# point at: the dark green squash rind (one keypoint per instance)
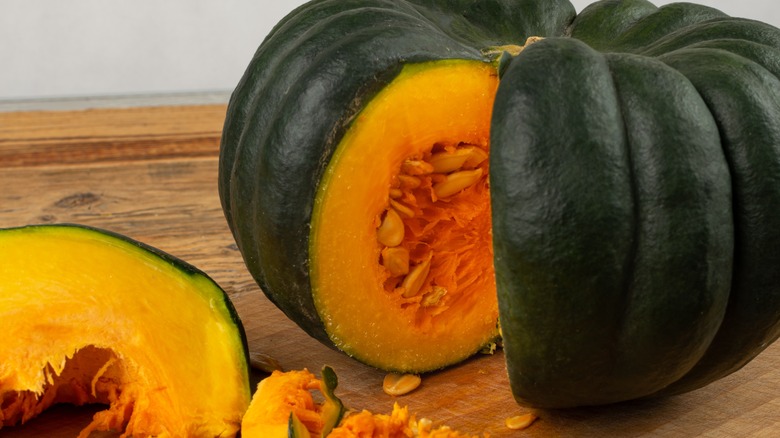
(724, 28)
(563, 223)
(601, 22)
(292, 107)
(579, 236)
(744, 99)
(670, 18)
(681, 270)
(333, 411)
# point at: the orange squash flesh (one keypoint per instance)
(361, 293)
(398, 424)
(278, 396)
(286, 400)
(87, 317)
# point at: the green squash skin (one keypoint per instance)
(634, 233)
(598, 216)
(628, 26)
(601, 20)
(164, 258)
(293, 106)
(751, 140)
(733, 65)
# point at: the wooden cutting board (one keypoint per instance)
(151, 173)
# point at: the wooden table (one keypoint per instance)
(150, 173)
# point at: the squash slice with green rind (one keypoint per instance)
(89, 316)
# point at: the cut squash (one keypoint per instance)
(88, 316)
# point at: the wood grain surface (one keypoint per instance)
(151, 173)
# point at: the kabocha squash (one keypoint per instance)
(89, 316)
(623, 226)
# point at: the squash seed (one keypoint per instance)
(416, 167)
(396, 260)
(456, 182)
(446, 162)
(263, 362)
(400, 384)
(416, 278)
(433, 297)
(476, 157)
(409, 182)
(520, 422)
(396, 193)
(391, 231)
(402, 209)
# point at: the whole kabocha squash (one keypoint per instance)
(89, 316)
(623, 227)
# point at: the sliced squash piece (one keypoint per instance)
(89, 316)
(284, 405)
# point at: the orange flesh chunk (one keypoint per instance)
(279, 395)
(446, 309)
(398, 424)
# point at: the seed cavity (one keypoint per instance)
(457, 181)
(391, 231)
(400, 384)
(413, 196)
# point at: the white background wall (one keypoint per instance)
(71, 48)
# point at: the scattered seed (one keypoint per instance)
(391, 231)
(416, 167)
(396, 260)
(424, 426)
(456, 182)
(400, 384)
(520, 422)
(264, 362)
(416, 278)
